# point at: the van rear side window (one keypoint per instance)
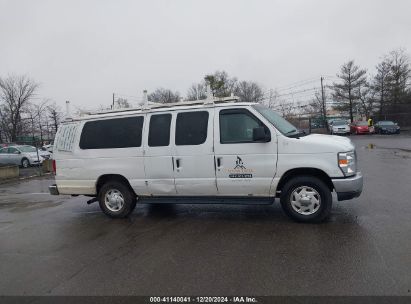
(65, 136)
(191, 128)
(112, 133)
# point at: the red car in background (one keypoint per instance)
(360, 127)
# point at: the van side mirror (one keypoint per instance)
(260, 135)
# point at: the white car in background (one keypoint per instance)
(24, 156)
(340, 127)
(48, 148)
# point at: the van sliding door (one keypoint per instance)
(158, 160)
(194, 154)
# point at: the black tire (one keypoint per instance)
(25, 163)
(127, 195)
(325, 199)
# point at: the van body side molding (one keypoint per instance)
(229, 200)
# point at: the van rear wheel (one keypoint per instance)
(306, 199)
(116, 199)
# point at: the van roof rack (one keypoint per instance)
(155, 105)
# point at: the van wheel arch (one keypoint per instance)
(112, 177)
(304, 172)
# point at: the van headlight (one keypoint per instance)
(347, 162)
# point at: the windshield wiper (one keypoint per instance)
(292, 131)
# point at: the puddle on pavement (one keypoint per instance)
(29, 206)
(398, 152)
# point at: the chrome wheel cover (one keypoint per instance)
(305, 200)
(114, 200)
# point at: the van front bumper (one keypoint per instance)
(53, 190)
(348, 188)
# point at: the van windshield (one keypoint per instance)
(277, 121)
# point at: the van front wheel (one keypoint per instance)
(306, 199)
(116, 199)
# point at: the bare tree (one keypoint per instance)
(272, 98)
(40, 116)
(316, 105)
(285, 108)
(3, 126)
(54, 114)
(346, 92)
(381, 82)
(399, 75)
(249, 91)
(162, 95)
(15, 93)
(122, 103)
(366, 96)
(197, 91)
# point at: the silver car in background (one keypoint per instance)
(24, 156)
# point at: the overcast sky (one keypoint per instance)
(83, 51)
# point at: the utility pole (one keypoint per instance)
(323, 103)
(112, 106)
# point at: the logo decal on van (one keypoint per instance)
(239, 163)
(240, 171)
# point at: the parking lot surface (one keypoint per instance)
(59, 245)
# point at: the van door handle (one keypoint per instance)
(219, 162)
(178, 163)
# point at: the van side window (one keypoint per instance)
(236, 126)
(191, 128)
(159, 132)
(112, 133)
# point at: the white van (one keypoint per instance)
(203, 152)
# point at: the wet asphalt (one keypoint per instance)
(58, 245)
